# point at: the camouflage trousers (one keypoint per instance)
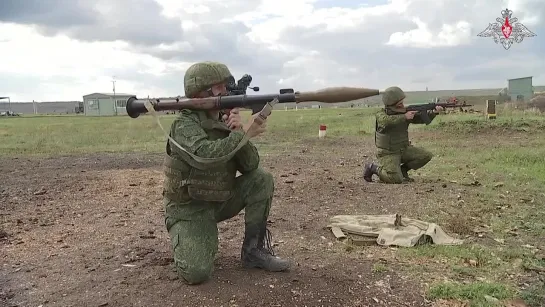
(193, 228)
(389, 170)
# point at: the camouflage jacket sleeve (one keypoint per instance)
(247, 158)
(384, 121)
(417, 119)
(187, 131)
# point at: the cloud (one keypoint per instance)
(134, 21)
(77, 47)
(450, 35)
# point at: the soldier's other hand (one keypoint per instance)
(438, 109)
(410, 114)
(234, 120)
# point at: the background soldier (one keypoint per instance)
(197, 198)
(395, 154)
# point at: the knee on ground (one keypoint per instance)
(194, 275)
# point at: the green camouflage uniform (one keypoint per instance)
(395, 154)
(197, 196)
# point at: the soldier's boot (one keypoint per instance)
(257, 251)
(405, 171)
(369, 170)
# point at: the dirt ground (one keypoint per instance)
(89, 231)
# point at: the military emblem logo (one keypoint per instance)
(506, 30)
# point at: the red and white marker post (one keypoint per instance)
(322, 131)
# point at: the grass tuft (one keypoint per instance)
(478, 293)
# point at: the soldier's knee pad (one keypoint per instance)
(392, 178)
(193, 268)
(195, 275)
(397, 179)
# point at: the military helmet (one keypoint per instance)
(201, 76)
(392, 96)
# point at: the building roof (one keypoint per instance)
(108, 94)
(530, 77)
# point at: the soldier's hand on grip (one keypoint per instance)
(233, 120)
(410, 114)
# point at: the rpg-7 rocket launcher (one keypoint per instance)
(256, 103)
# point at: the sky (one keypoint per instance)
(58, 50)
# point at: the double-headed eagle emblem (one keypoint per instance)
(506, 30)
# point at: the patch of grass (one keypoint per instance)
(474, 264)
(499, 174)
(79, 134)
(534, 296)
(32, 135)
(379, 267)
(475, 292)
(511, 254)
(464, 123)
(533, 264)
(49, 135)
(460, 225)
(465, 272)
(456, 254)
(525, 165)
(473, 261)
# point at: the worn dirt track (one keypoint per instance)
(89, 231)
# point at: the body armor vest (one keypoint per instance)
(186, 179)
(394, 138)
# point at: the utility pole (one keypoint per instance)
(115, 101)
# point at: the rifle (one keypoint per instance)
(422, 109)
(257, 103)
(239, 88)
